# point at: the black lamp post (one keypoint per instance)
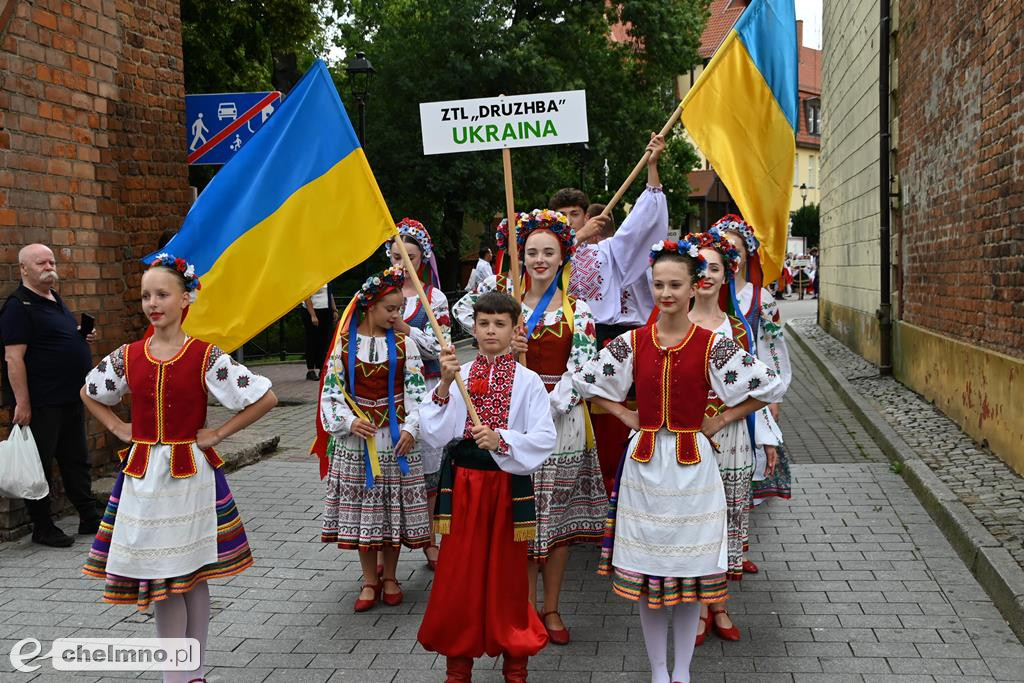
(803, 193)
(360, 73)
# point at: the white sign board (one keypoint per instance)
(806, 262)
(553, 118)
(796, 245)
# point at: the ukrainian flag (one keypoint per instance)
(297, 206)
(742, 113)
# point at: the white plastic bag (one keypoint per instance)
(21, 473)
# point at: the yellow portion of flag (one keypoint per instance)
(325, 227)
(734, 118)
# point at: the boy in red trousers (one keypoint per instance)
(479, 602)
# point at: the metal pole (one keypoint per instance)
(361, 101)
(885, 295)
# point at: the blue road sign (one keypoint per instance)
(217, 125)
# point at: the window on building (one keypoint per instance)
(812, 171)
(813, 111)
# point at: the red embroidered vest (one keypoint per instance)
(548, 350)
(739, 334)
(371, 390)
(168, 406)
(672, 387)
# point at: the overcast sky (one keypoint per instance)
(810, 12)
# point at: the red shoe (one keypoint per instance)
(707, 627)
(749, 567)
(391, 599)
(460, 670)
(514, 669)
(556, 636)
(363, 605)
(731, 633)
(431, 564)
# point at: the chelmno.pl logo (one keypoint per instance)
(109, 654)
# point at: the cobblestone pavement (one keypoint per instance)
(992, 491)
(856, 584)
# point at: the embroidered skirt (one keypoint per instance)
(736, 464)
(666, 532)
(569, 491)
(141, 539)
(778, 484)
(391, 514)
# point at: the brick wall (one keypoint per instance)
(960, 159)
(92, 158)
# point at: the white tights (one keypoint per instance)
(185, 615)
(654, 623)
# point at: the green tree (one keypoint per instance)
(806, 224)
(429, 50)
(234, 45)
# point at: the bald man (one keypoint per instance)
(47, 359)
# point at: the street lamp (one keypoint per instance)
(803, 193)
(360, 73)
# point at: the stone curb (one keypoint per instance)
(989, 562)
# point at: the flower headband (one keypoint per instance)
(688, 246)
(716, 239)
(180, 266)
(540, 219)
(378, 285)
(740, 227)
(408, 227)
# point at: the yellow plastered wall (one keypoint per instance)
(977, 388)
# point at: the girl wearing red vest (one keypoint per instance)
(759, 310)
(738, 439)
(569, 492)
(668, 523)
(171, 523)
(367, 424)
(416, 325)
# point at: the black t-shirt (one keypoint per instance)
(57, 358)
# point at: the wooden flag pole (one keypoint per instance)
(513, 241)
(425, 302)
(640, 164)
(510, 212)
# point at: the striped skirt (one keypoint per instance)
(658, 591)
(233, 554)
(391, 514)
(568, 491)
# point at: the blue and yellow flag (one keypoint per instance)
(297, 206)
(742, 113)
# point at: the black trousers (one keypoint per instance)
(318, 337)
(59, 432)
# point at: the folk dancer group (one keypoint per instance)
(682, 398)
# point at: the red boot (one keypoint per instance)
(514, 669)
(460, 670)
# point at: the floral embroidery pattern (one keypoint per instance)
(215, 354)
(748, 360)
(242, 381)
(117, 361)
(109, 384)
(92, 388)
(754, 383)
(608, 369)
(730, 377)
(222, 374)
(102, 367)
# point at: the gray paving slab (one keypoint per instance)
(856, 584)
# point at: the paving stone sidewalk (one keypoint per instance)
(856, 584)
(992, 491)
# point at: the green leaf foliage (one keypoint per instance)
(430, 50)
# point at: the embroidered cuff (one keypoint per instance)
(502, 448)
(437, 400)
(655, 188)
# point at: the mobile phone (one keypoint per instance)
(87, 325)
